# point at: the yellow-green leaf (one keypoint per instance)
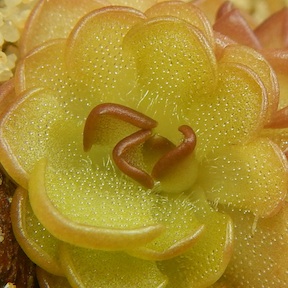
(40, 246)
(206, 261)
(252, 177)
(92, 207)
(98, 269)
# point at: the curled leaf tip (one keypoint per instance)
(123, 164)
(279, 120)
(117, 111)
(166, 154)
(177, 154)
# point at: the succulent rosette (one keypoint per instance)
(270, 39)
(139, 151)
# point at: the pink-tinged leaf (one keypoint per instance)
(278, 59)
(7, 96)
(209, 7)
(280, 119)
(273, 33)
(228, 6)
(221, 42)
(233, 25)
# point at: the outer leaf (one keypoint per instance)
(40, 65)
(278, 136)
(252, 177)
(272, 32)
(256, 62)
(234, 113)
(54, 19)
(237, 28)
(22, 144)
(35, 240)
(7, 96)
(185, 11)
(260, 254)
(46, 280)
(45, 67)
(137, 4)
(206, 261)
(282, 80)
(92, 268)
(209, 7)
(95, 56)
(277, 59)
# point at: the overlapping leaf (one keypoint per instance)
(35, 240)
(86, 268)
(252, 177)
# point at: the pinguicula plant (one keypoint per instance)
(140, 149)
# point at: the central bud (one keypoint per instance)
(142, 155)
